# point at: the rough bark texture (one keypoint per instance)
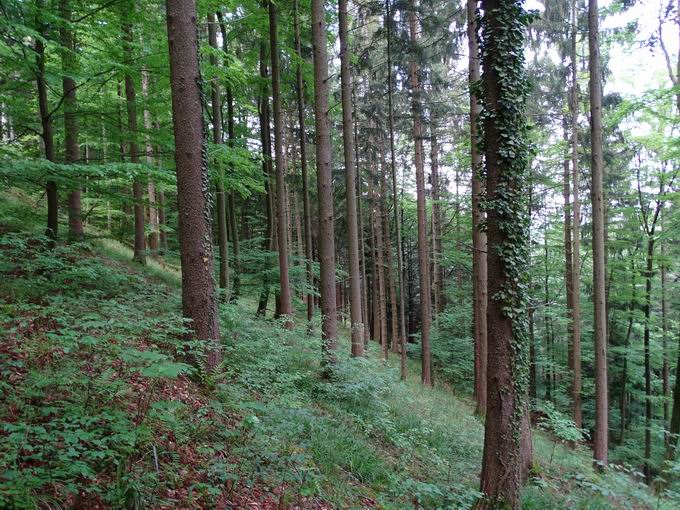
(395, 203)
(75, 222)
(324, 185)
(356, 322)
(153, 237)
(576, 234)
(437, 269)
(507, 439)
(47, 135)
(216, 110)
(139, 254)
(479, 269)
(423, 258)
(601, 435)
(199, 303)
(286, 307)
(306, 209)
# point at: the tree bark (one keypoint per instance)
(423, 259)
(324, 186)
(306, 209)
(356, 322)
(576, 399)
(286, 308)
(648, 362)
(395, 202)
(199, 303)
(601, 436)
(216, 110)
(71, 156)
(151, 188)
(131, 102)
(47, 135)
(479, 263)
(437, 270)
(507, 437)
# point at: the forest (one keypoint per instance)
(379, 254)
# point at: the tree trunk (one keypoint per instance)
(376, 215)
(674, 429)
(437, 270)
(356, 322)
(389, 266)
(306, 209)
(75, 222)
(664, 344)
(648, 363)
(423, 259)
(162, 224)
(265, 140)
(199, 303)
(362, 248)
(324, 185)
(231, 199)
(576, 399)
(216, 110)
(479, 264)
(131, 102)
(286, 308)
(507, 442)
(395, 203)
(624, 369)
(47, 135)
(151, 188)
(601, 436)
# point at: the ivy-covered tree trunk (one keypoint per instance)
(324, 182)
(285, 303)
(479, 264)
(506, 437)
(356, 322)
(199, 303)
(601, 436)
(68, 61)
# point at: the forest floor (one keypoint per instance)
(102, 406)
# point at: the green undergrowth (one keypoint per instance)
(103, 402)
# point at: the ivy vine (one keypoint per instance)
(502, 36)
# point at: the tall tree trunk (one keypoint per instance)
(648, 362)
(231, 198)
(162, 224)
(216, 109)
(479, 264)
(423, 259)
(391, 285)
(395, 202)
(153, 238)
(131, 102)
(376, 215)
(306, 209)
(199, 303)
(507, 442)
(324, 185)
(286, 307)
(356, 322)
(362, 248)
(75, 222)
(576, 399)
(664, 343)
(624, 370)
(601, 436)
(437, 270)
(674, 429)
(267, 170)
(47, 135)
